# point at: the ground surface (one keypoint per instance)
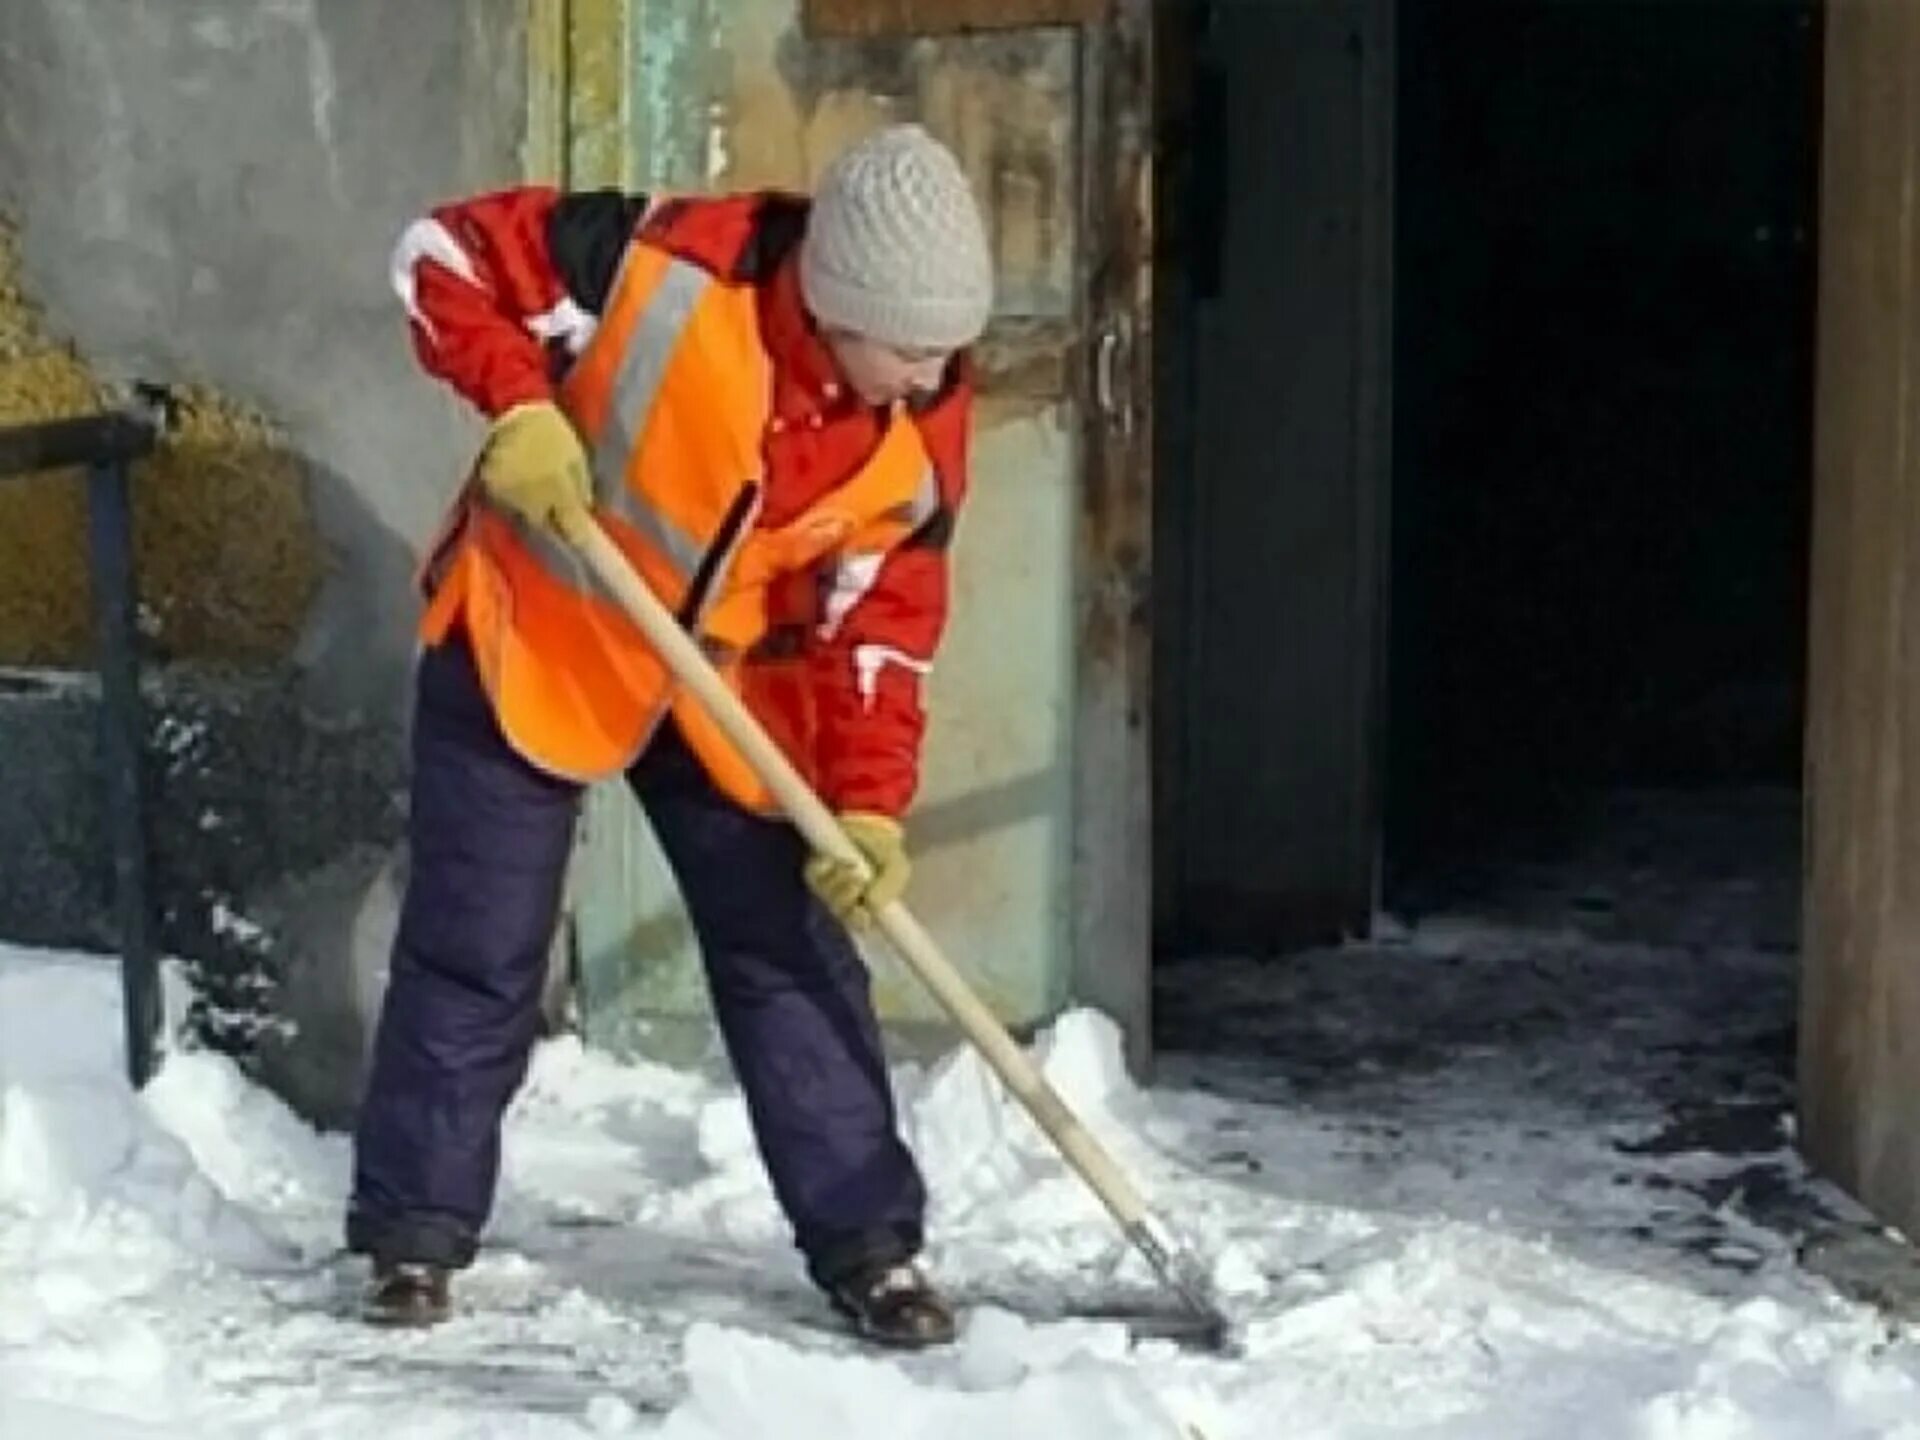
(1520, 1170)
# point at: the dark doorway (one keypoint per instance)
(1590, 608)
(1603, 396)
(1477, 768)
(1484, 347)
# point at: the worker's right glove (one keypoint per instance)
(534, 464)
(852, 897)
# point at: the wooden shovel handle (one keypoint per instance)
(823, 832)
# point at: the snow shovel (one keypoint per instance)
(1202, 1321)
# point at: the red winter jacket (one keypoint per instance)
(503, 290)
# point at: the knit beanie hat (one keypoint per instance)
(895, 250)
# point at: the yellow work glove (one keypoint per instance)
(849, 895)
(534, 464)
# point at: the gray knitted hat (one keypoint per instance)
(895, 249)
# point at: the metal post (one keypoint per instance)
(110, 541)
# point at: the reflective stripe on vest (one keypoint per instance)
(671, 397)
(636, 385)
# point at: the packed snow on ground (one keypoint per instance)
(167, 1266)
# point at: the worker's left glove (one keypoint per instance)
(534, 464)
(852, 897)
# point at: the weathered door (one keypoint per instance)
(1271, 484)
(1016, 863)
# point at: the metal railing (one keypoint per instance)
(107, 444)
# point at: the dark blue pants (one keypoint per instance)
(489, 836)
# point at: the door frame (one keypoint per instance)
(1112, 829)
(1373, 439)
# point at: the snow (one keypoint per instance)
(1448, 1255)
(229, 922)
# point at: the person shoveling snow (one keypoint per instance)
(765, 400)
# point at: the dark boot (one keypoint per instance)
(407, 1293)
(894, 1304)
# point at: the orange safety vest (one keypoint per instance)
(672, 397)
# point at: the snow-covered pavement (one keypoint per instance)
(1511, 1234)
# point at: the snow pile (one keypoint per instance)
(77, 1147)
(99, 1206)
(978, 1145)
(166, 1272)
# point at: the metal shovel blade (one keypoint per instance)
(1209, 1333)
(1199, 1323)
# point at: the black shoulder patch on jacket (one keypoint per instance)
(935, 532)
(587, 233)
(778, 225)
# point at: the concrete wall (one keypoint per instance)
(204, 194)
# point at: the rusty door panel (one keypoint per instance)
(745, 99)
